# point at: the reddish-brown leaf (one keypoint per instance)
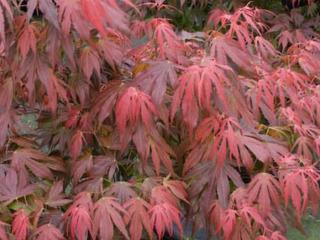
(123, 191)
(155, 78)
(13, 186)
(56, 196)
(39, 164)
(76, 144)
(107, 214)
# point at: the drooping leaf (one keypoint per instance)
(155, 78)
(107, 214)
(163, 216)
(48, 232)
(78, 217)
(14, 186)
(138, 218)
(55, 196)
(39, 164)
(20, 225)
(123, 191)
(264, 190)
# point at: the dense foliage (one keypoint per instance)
(134, 120)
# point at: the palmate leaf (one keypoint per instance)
(37, 162)
(111, 51)
(225, 50)
(135, 118)
(27, 40)
(219, 138)
(237, 224)
(196, 88)
(47, 7)
(134, 107)
(81, 166)
(99, 13)
(155, 78)
(138, 218)
(163, 216)
(293, 28)
(304, 147)
(300, 185)
(40, 70)
(104, 103)
(168, 44)
(14, 186)
(105, 165)
(217, 185)
(20, 225)
(56, 197)
(264, 48)
(161, 152)
(123, 191)
(161, 194)
(70, 14)
(82, 13)
(178, 188)
(78, 217)
(90, 62)
(48, 232)
(264, 190)
(107, 213)
(153, 145)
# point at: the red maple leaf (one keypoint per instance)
(108, 213)
(264, 190)
(123, 191)
(163, 216)
(48, 232)
(78, 217)
(138, 218)
(55, 195)
(20, 225)
(14, 186)
(39, 163)
(155, 79)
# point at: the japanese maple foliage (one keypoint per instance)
(116, 123)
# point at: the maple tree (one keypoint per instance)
(117, 123)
